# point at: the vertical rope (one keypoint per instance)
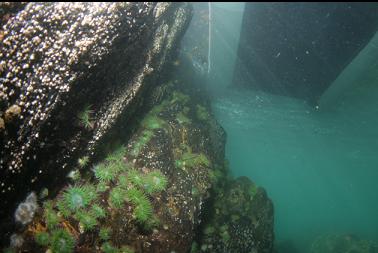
(209, 47)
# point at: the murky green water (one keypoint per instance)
(318, 166)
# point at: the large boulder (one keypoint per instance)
(69, 74)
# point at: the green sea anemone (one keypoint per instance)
(123, 181)
(97, 211)
(51, 218)
(142, 141)
(155, 182)
(134, 195)
(76, 197)
(42, 238)
(136, 178)
(62, 241)
(104, 233)
(104, 173)
(117, 197)
(86, 219)
(107, 247)
(101, 187)
(62, 207)
(117, 155)
(143, 207)
(85, 117)
(143, 210)
(83, 161)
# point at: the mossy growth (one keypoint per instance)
(253, 190)
(202, 113)
(85, 117)
(142, 141)
(179, 97)
(152, 122)
(209, 230)
(182, 118)
(191, 160)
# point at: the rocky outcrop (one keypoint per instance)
(69, 73)
(176, 144)
(239, 219)
(347, 243)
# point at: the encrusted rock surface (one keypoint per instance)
(240, 219)
(56, 59)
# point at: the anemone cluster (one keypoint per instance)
(88, 205)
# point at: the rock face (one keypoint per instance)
(343, 244)
(69, 73)
(240, 219)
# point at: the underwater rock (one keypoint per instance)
(347, 243)
(60, 61)
(240, 219)
(7, 10)
(145, 196)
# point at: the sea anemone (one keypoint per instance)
(86, 219)
(62, 241)
(143, 210)
(83, 161)
(97, 211)
(51, 218)
(104, 233)
(122, 181)
(117, 155)
(42, 238)
(108, 248)
(136, 178)
(101, 187)
(76, 197)
(117, 197)
(85, 117)
(155, 182)
(143, 207)
(134, 195)
(104, 173)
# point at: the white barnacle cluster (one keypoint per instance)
(25, 211)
